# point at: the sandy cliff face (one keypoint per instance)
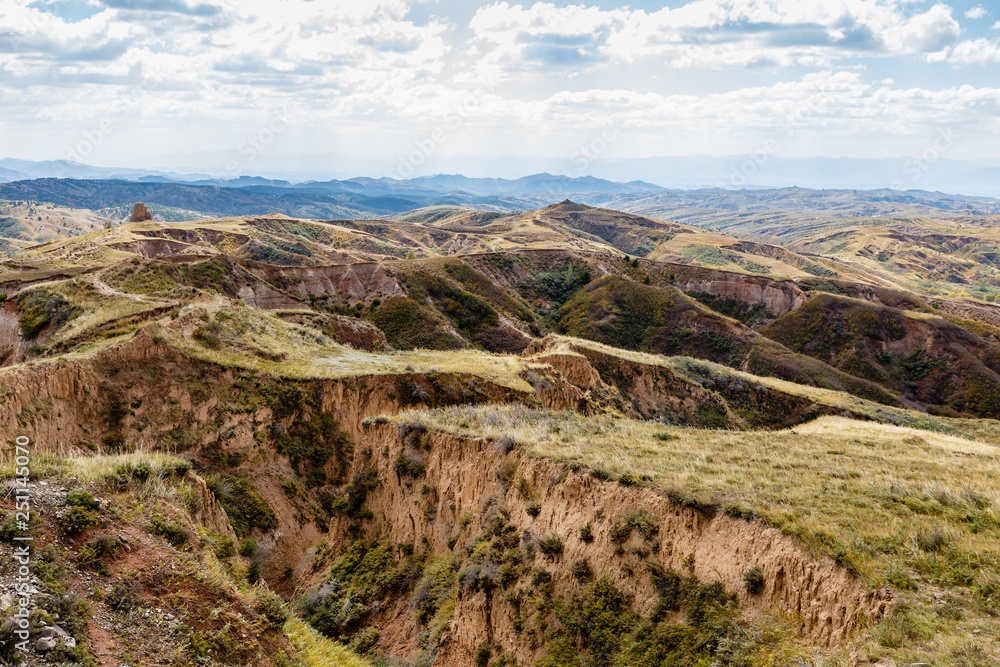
(166, 400)
(351, 282)
(461, 475)
(779, 297)
(12, 346)
(164, 397)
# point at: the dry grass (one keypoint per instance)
(257, 340)
(98, 308)
(696, 370)
(315, 650)
(901, 506)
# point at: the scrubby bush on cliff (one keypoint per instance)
(753, 579)
(357, 491)
(601, 628)
(356, 583)
(174, 533)
(244, 506)
(550, 545)
(77, 519)
(314, 440)
(40, 308)
(557, 285)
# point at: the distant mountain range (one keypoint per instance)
(18, 170)
(83, 186)
(930, 172)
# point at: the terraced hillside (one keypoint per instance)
(570, 436)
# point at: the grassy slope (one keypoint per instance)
(906, 508)
(663, 320)
(934, 361)
(147, 582)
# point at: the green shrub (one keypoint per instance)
(550, 545)
(40, 308)
(358, 582)
(254, 571)
(90, 554)
(12, 526)
(224, 546)
(362, 483)
(174, 533)
(469, 313)
(248, 547)
(439, 580)
(208, 336)
(124, 597)
(114, 443)
(586, 533)
(364, 641)
(408, 325)
(312, 441)
(753, 580)
(557, 285)
(409, 466)
(272, 607)
(77, 519)
(581, 570)
(72, 610)
(77, 655)
(534, 509)
(244, 506)
(82, 499)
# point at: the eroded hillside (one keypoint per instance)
(506, 449)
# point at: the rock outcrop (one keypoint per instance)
(140, 213)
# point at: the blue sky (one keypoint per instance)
(396, 88)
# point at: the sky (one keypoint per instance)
(400, 88)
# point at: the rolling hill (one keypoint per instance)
(561, 436)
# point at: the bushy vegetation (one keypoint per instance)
(243, 504)
(76, 519)
(624, 314)
(408, 325)
(600, 627)
(558, 284)
(174, 533)
(738, 310)
(355, 584)
(470, 314)
(40, 308)
(313, 441)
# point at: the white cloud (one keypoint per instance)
(709, 33)
(977, 12)
(369, 74)
(974, 51)
(222, 42)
